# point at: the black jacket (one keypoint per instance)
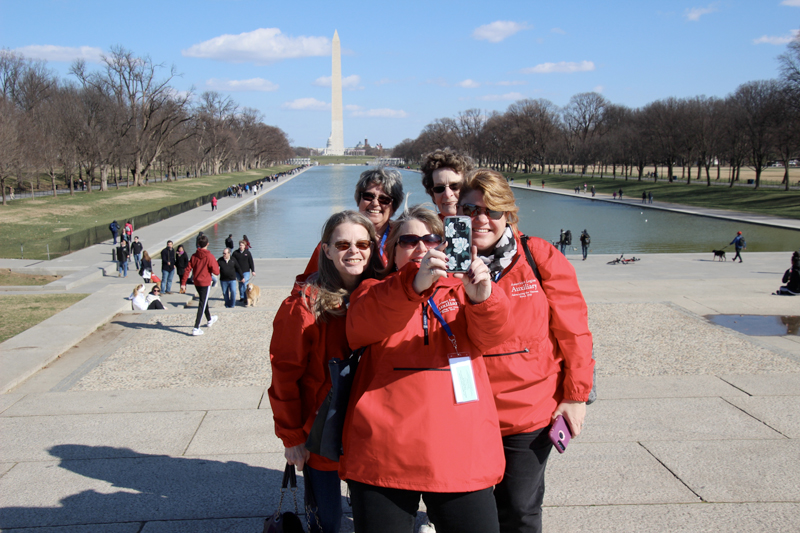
(245, 260)
(181, 262)
(168, 259)
(792, 279)
(137, 248)
(228, 269)
(122, 253)
(229, 243)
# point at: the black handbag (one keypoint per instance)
(325, 437)
(287, 522)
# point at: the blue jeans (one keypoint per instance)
(328, 494)
(114, 233)
(585, 250)
(229, 292)
(166, 280)
(243, 281)
(123, 268)
(137, 258)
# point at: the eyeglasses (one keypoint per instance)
(382, 198)
(410, 241)
(343, 246)
(472, 210)
(439, 189)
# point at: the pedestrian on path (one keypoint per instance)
(620, 193)
(586, 240)
(114, 227)
(738, 244)
(247, 268)
(614, 194)
(128, 231)
(136, 251)
(644, 197)
(229, 241)
(214, 203)
(650, 197)
(204, 267)
(593, 191)
(181, 261)
(167, 268)
(229, 272)
(122, 259)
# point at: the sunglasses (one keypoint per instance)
(439, 189)
(343, 246)
(382, 199)
(411, 241)
(472, 210)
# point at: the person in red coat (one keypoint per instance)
(544, 367)
(309, 331)
(421, 420)
(204, 265)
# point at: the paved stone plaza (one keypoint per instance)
(139, 427)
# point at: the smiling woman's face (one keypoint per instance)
(485, 230)
(404, 255)
(377, 213)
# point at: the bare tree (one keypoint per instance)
(758, 103)
(10, 147)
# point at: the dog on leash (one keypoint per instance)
(720, 254)
(252, 294)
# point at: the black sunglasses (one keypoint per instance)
(382, 199)
(410, 241)
(472, 210)
(343, 246)
(439, 189)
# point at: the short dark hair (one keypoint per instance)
(445, 158)
(202, 241)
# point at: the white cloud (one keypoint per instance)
(50, 52)
(598, 89)
(311, 104)
(357, 111)
(498, 30)
(792, 3)
(507, 96)
(261, 46)
(508, 83)
(558, 30)
(349, 82)
(695, 13)
(786, 39)
(253, 84)
(468, 84)
(561, 66)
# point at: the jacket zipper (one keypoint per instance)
(509, 353)
(419, 369)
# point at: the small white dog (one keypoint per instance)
(252, 294)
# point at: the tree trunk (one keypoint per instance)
(53, 180)
(3, 187)
(104, 177)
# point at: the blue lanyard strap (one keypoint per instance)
(440, 318)
(383, 240)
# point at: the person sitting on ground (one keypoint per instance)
(154, 299)
(792, 278)
(146, 267)
(137, 298)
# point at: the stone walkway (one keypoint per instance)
(140, 427)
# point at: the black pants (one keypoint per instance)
(519, 496)
(202, 305)
(739, 255)
(383, 510)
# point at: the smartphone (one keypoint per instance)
(559, 434)
(458, 239)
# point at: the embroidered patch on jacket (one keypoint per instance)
(448, 305)
(524, 289)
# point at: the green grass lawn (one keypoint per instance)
(774, 202)
(23, 311)
(36, 222)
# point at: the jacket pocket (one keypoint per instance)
(419, 369)
(526, 350)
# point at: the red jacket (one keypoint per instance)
(299, 353)
(203, 263)
(404, 428)
(548, 357)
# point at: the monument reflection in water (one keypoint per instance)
(287, 221)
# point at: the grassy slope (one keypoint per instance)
(22, 311)
(12, 278)
(772, 202)
(33, 222)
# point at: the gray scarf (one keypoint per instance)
(502, 255)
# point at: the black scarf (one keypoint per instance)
(502, 255)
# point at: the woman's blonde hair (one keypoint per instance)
(497, 193)
(324, 292)
(418, 212)
(145, 256)
(136, 290)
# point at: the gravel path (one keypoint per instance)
(630, 340)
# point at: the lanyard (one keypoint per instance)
(383, 240)
(440, 318)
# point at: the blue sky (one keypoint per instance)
(407, 63)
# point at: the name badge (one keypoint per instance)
(463, 378)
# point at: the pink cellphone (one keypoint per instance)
(559, 434)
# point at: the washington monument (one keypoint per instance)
(336, 140)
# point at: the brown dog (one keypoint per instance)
(253, 293)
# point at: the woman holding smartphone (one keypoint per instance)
(421, 419)
(311, 323)
(544, 367)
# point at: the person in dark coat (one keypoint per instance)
(181, 260)
(136, 250)
(792, 278)
(229, 272)
(122, 259)
(114, 227)
(245, 260)
(167, 268)
(229, 241)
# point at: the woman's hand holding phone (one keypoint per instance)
(432, 268)
(477, 280)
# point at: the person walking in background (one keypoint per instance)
(128, 231)
(562, 242)
(136, 251)
(204, 266)
(620, 193)
(214, 203)
(739, 245)
(644, 197)
(247, 268)
(586, 240)
(246, 241)
(650, 197)
(181, 261)
(229, 241)
(114, 227)
(593, 191)
(229, 272)
(146, 267)
(167, 268)
(122, 259)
